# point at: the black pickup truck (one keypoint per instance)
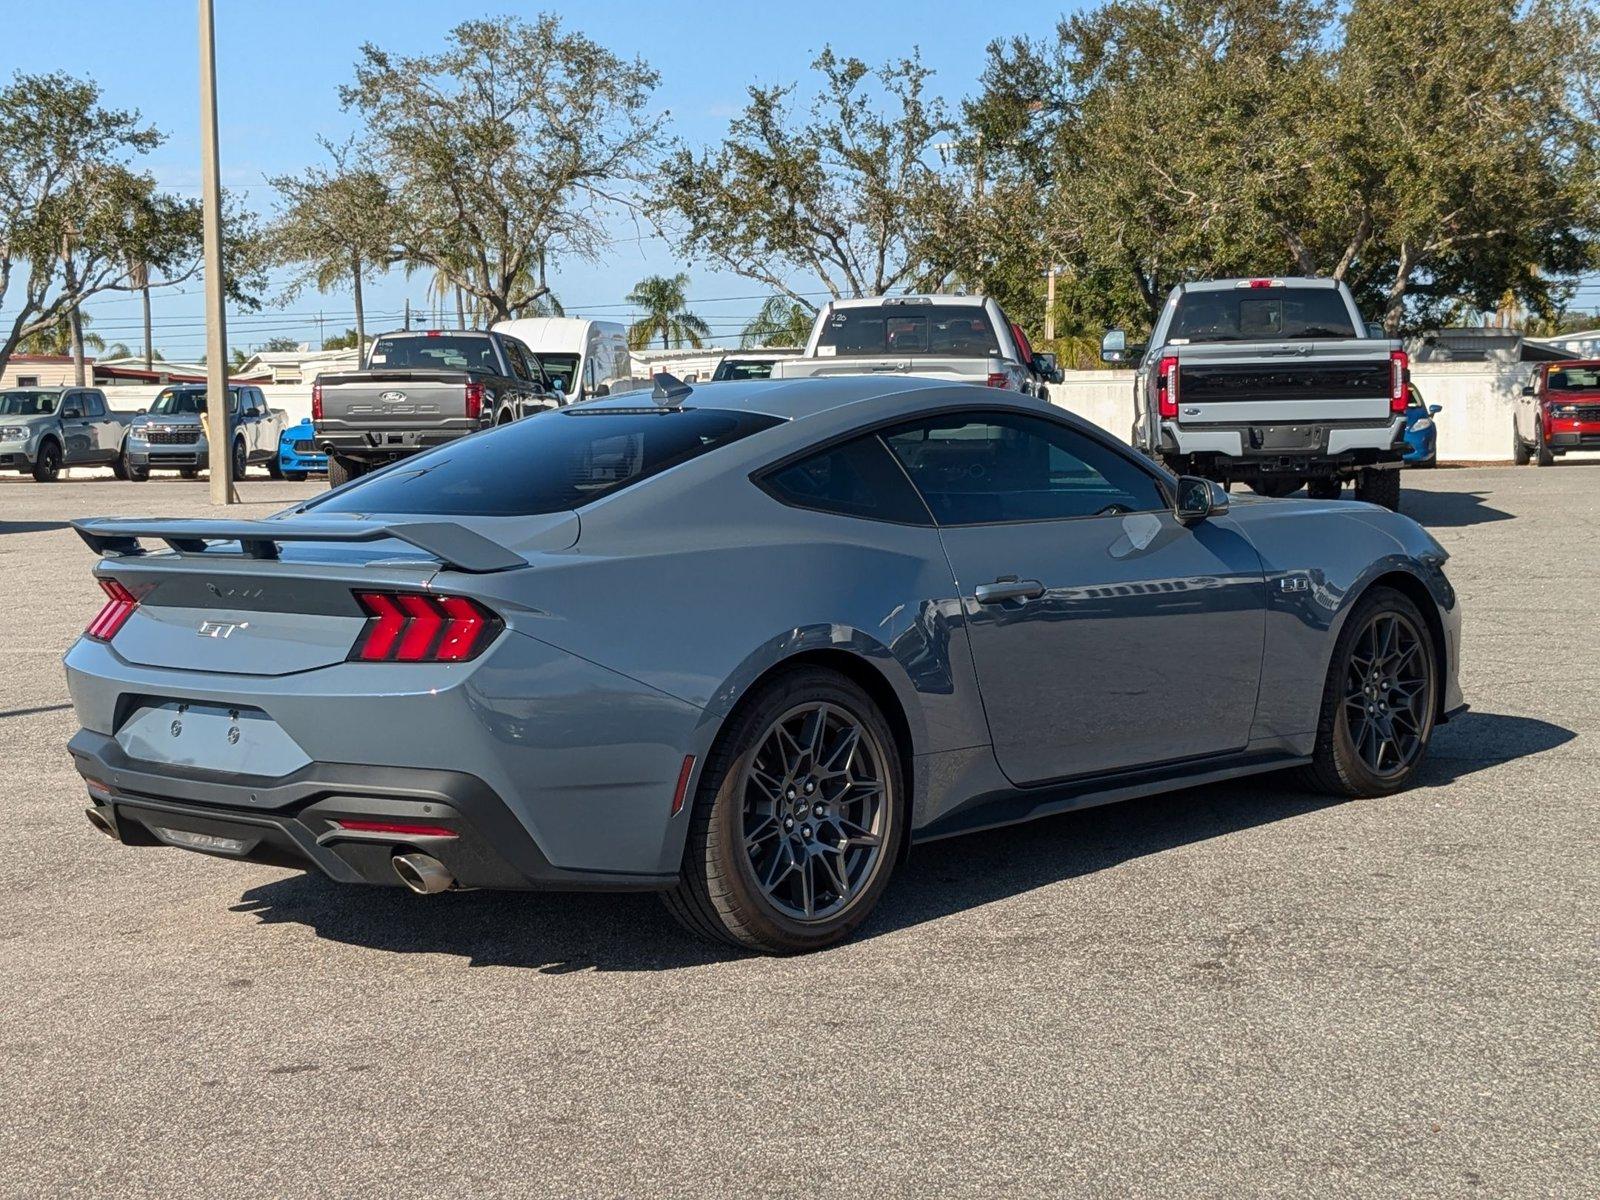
(421, 389)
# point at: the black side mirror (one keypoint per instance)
(1198, 499)
(1114, 347)
(1529, 390)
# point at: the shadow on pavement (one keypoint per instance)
(31, 526)
(557, 932)
(1441, 509)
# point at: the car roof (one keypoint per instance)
(953, 301)
(792, 398)
(1227, 285)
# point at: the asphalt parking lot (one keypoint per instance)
(1238, 990)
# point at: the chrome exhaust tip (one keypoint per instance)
(422, 873)
(97, 818)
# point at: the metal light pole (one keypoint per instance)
(218, 434)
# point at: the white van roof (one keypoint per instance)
(570, 334)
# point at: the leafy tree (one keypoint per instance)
(664, 300)
(845, 195)
(59, 338)
(348, 340)
(280, 345)
(336, 225)
(514, 141)
(780, 321)
(118, 350)
(74, 214)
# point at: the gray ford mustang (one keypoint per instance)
(742, 644)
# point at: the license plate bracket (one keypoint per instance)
(235, 739)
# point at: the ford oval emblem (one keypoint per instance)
(393, 397)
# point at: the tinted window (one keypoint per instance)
(1575, 379)
(561, 369)
(857, 479)
(93, 405)
(557, 460)
(28, 404)
(175, 401)
(748, 368)
(986, 467)
(1261, 314)
(441, 352)
(910, 329)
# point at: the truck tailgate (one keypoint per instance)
(378, 399)
(1302, 381)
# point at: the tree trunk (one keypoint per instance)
(1395, 307)
(361, 320)
(75, 320)
(149, 341)
(461, 310)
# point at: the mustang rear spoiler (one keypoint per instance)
(456, 546)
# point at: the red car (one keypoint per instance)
(1559, 411)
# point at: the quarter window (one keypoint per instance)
(857, 479)
(982, 468)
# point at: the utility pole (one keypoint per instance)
(408, 315)
(1050, 303)
(218, 436)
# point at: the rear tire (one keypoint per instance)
(1379, 700)
(1277, 486)
(1324, 489)
(1519, 448)
(241, 460)
(295, 476)
(1542, 455)
(47, 466)
(1380, 487)
(342, 470)
(798, 810)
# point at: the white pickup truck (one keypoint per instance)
(965, 339)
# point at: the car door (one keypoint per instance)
(77, 431)
(1107, 635)
(107, 430)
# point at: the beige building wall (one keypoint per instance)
(43, 370)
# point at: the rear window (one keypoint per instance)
(444, 352)
(748, 368)
(554, 461)
(1575, 379)
(857, 479)
(949, 331)
(1261, 315)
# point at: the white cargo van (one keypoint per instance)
(586, 358)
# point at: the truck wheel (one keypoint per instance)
(1519, 448)
(47, 466)
(1276, 486)
(1379, 487)
(1324, 489)
(189, 472)
(342, 470)
(241, 460)
(1542, 455)
(295, 476)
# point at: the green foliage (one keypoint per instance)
(664, 300)
(779, 322)
(848, 195)
(348, 340)
(515, 139)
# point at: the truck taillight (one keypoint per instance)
(316, 402)
(417, 627)
(1399, 377)
(119, 606)
(997, 380)
(474, 400)
(1167, 387)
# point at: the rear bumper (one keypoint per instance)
(291, 821)
(382, 445)
(1307, 448)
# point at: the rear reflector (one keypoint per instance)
(416, 627)
(683, 784)
(118, 608)
(997, 380)
(398, 828)
(1167, 388)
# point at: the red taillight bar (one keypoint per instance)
(1399, 376)
(416, 627)
(316, 402)
(474, 400)
(998, 380)
(118, 608)
(398, 828)
(1167, 387)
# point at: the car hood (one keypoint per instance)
(35, 419)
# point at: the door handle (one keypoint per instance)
(1008, 588)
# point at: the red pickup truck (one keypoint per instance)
(1559, 411)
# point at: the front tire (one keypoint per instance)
(47, 466)
(796, 821)
(342, 470)
(1379, 701)
(1324, 489)
(1519, 448)
(275, 468)
(1542, 454)
(1380, 487)
(241, 460)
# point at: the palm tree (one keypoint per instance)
(663, 300)
(779, 322)
(118, 350)
(57, 339)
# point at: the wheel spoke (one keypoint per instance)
(838, 873)
(808, 891)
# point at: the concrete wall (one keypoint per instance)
(1475, 425)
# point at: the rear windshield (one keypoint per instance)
(958, 332)
(1575, 379)
(562, 369)
(554, 461)
(441, 352)
(1274, 314)
(28, 404)
(748, 368)
(180, 401)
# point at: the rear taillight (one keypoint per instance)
(474, 400)
(998, 380)
(316, 402)
(1399, 377)
(119, 607)
(396, 828)
(1167, 387)
(415, 627)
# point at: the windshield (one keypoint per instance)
(557, 460)
(746, 368)
(28, 404)
(1576, 379)
(957, 332)
(174, 402)
(561, 368)
(1276, 314)
(435, 352)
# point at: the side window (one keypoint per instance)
(517, 361)
(72, 404)
(980, 468)
(93, 405)
(857, 479)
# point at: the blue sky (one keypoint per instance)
(280, 64)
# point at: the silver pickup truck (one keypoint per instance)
(422, 389)
(1273, 383)
(964, 339)
(43, 430)
(171, 436)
